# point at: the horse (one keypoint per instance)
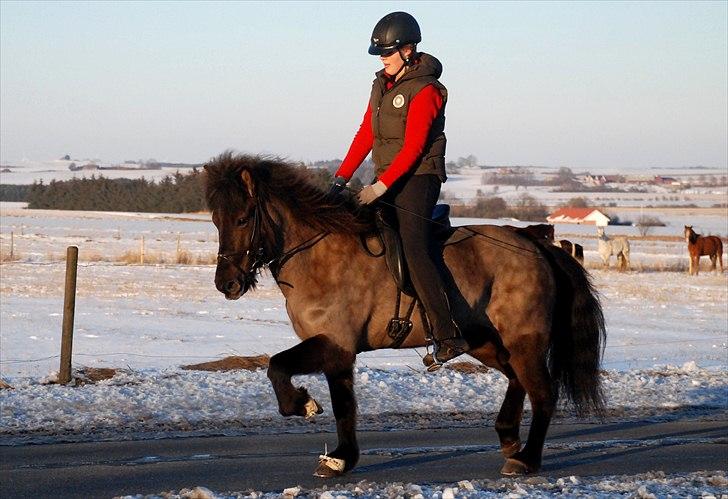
(699, 245)
(525, 309)
(574, 249)
(536, 231)
(617, 246)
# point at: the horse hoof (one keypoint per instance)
(311, 409)
(510, 449)
(430, 363)
(514, 467)
(329, 467)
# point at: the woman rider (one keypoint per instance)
(403, 127)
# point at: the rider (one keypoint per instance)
(404, 128)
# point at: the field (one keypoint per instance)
(665, 354)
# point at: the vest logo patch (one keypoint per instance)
(398, 101)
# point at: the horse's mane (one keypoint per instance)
(276, 179)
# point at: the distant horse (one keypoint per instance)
(542, 232)
(699, 245)
(527, 310)
(574, 249)
(617, 246)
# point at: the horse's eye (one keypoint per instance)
(242, 222)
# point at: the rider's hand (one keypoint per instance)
(371, 193)
(337, 186)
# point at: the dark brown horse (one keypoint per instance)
(541, 232)
(527, 309)
(574, 249)
(699, 245)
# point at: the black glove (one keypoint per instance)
(337, 186)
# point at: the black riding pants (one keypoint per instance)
(415, 197)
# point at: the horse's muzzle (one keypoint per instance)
(231, 289)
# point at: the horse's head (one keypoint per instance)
(237, 214)
(689, 233)
(258, 202)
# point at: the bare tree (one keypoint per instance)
(646, 223)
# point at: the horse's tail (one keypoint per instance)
(578, 333)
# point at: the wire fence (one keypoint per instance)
(390, 355)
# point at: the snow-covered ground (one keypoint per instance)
(651, 485)
(667, 351)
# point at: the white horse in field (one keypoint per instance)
(617, 246)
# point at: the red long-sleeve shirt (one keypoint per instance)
(422, 111)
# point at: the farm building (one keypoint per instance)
(590, 216)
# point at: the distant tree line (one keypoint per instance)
(14, 192)
(525, 207)
(173, 194)
(178, 193)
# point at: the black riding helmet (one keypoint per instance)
(394, 31)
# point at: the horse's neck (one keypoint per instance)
(693, 237)
(292, 230)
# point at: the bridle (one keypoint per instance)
(256, 247)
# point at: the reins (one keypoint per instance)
(493, 240)
(276, 263)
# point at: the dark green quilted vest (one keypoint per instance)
(389, 118)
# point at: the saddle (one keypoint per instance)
(393, 252)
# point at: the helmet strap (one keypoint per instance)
(408, 61)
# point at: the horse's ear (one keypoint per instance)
(248, 183)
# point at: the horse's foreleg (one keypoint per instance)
(343, 401)
(310, 356)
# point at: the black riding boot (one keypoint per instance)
(447, 341)
(415, 198)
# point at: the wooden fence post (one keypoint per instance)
(141, 252)
(69, 308)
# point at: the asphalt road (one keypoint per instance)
(274, 462)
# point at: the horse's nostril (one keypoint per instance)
(232, 286)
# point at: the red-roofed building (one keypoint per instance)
(590, 216)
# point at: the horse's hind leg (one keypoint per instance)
(508, 422)
(346, 454)
(534, 376)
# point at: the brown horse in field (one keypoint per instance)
(699, 245)
(526, 309)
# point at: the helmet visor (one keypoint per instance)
(385, 50)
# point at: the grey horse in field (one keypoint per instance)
(617, 246)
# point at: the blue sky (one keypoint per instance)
(587, 85)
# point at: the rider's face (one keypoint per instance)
(393, 61)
